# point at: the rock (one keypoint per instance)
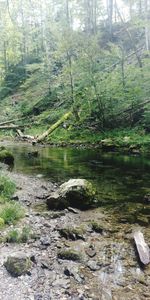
(93, 266)
(69, 255)
(90, 251)
(45, 241)
(78, 193)
(15, 198)
(18, 265)
(108, 145)
(33, 154)
(147, 199)
(97, 227)
(72, 233)
(6, 157)
(74, 211)
(46, 264)
(74, 272)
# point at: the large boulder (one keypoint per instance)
(18, 265)
(77, 193)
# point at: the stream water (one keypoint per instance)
(122, 181)
(118, 178)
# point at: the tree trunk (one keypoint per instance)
(53, 127)
(110, 15)
(147, 33)
(131, 38)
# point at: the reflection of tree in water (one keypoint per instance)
(118, 178)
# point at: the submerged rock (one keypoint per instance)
(6, 157)
(18, 265)
(78, 193)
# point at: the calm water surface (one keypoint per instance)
(117, 177)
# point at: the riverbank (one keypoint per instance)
(125, 141)
(106, 265)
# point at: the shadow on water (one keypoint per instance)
(118, 178)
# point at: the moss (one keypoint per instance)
(69, 255)
(18, 266)
(6, 157)
(72, 233)
(97, 227)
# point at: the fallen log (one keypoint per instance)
(53, 127)
(12, 126)
(12, 121)
(142, 247)
(24, 136)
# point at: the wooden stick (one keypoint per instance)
(142, 247)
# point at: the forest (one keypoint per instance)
(90, 57)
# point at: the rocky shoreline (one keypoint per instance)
(74, 254)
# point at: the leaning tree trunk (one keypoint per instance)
(53, 127)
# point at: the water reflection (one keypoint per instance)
(117, 177)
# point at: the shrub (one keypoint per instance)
(7, 188)
(13, 236)
(1, 222)
(17, 236)
(11, 212)
(25, 234)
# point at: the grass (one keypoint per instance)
(11, 212)
(17, 236)
(7, 188)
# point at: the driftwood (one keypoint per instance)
(53, 127)
(142, 247)
(25, 137)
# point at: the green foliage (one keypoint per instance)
(7, 188)
(17, 236)
(47, 72)
(1, 222)
(15, 76)
(11, 212)
(13, 236)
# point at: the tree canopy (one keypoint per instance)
(92, 57)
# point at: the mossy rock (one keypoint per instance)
(78, 193)
(69, 255)
(6, 157)
(70, 233)
(18, 266)
(109, 145)
(97, 227)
